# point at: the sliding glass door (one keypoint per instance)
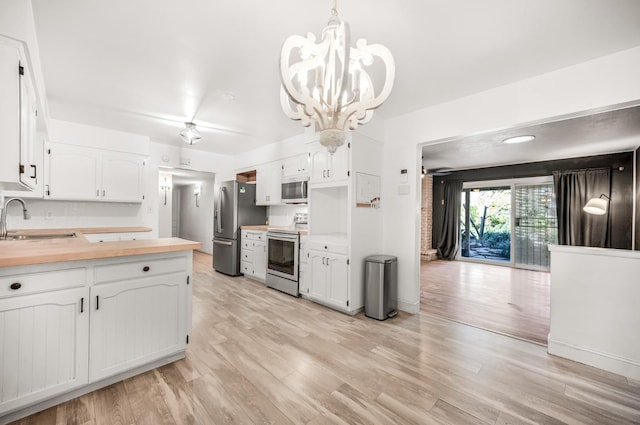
(486, 223)
(509, 221)
(535, 225)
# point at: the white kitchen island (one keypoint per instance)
(595, 307)
(76, 316)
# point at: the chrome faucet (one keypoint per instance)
(3, 215)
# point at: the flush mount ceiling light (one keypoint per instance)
(327, 82)
(190, 133)
(518, 139)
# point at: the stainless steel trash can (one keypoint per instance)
(381, 286)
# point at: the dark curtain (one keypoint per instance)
(449, 237)
(573, 190)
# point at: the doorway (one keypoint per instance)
(485, 230)
(186, 206)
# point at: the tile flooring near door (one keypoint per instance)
(498, 298)
(260, 356)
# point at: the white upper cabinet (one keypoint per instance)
(328, 168)
(18, 117)
(296, 166)
(87, 174)
(72, 173)
(122, 176)
(269, 183)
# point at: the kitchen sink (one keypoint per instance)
(40, 236)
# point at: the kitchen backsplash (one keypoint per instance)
(61, 214)
(282, 215)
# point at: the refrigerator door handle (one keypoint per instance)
(219, 211)
(225, 243)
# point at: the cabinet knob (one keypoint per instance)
(146, 268)
(326, 247)
(15, 286)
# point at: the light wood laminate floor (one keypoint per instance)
(498, 298)
(259, 356)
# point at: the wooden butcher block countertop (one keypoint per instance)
(41, 251)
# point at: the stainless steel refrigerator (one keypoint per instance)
(235, 207)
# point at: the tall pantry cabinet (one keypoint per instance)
(343, 230)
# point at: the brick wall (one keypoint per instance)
(426, 227)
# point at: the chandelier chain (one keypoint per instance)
(334, 9)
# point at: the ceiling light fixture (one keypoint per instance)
(518, 139)
(327, 82)
(190, 133)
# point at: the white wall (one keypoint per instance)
(196, 223)
(605, 81)
(165, 205)
(282, 215)
(594, 307)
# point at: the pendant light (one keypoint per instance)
(327, 82)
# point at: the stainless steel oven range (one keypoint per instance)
(282, 260)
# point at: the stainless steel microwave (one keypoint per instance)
(294, 190)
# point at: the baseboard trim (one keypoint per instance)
(35, 408)
(409, 307)
(606, 361)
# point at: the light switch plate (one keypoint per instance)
(403, 189)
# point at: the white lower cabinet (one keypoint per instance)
(62, 329)
(327, 277)
(253, 254)
(136, 321)
(43, 346)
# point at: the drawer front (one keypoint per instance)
(254, 235)
(247, 244)
(327, 247)
(30, 283)
(138, 269)
(246, 268)
(247, 255)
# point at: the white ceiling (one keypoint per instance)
(146, 66)
(595, 134)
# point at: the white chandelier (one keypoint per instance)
(329, 84)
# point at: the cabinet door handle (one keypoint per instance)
(97, 302)
(324, 174)
(104, 192)
(328, 173)
(146, 268)
(323, 261)
(82, 305)
(35, 173)
(97, 192)
(15, 286)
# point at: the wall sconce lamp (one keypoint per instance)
(597, 206)
(196, 192)
(165, 188)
